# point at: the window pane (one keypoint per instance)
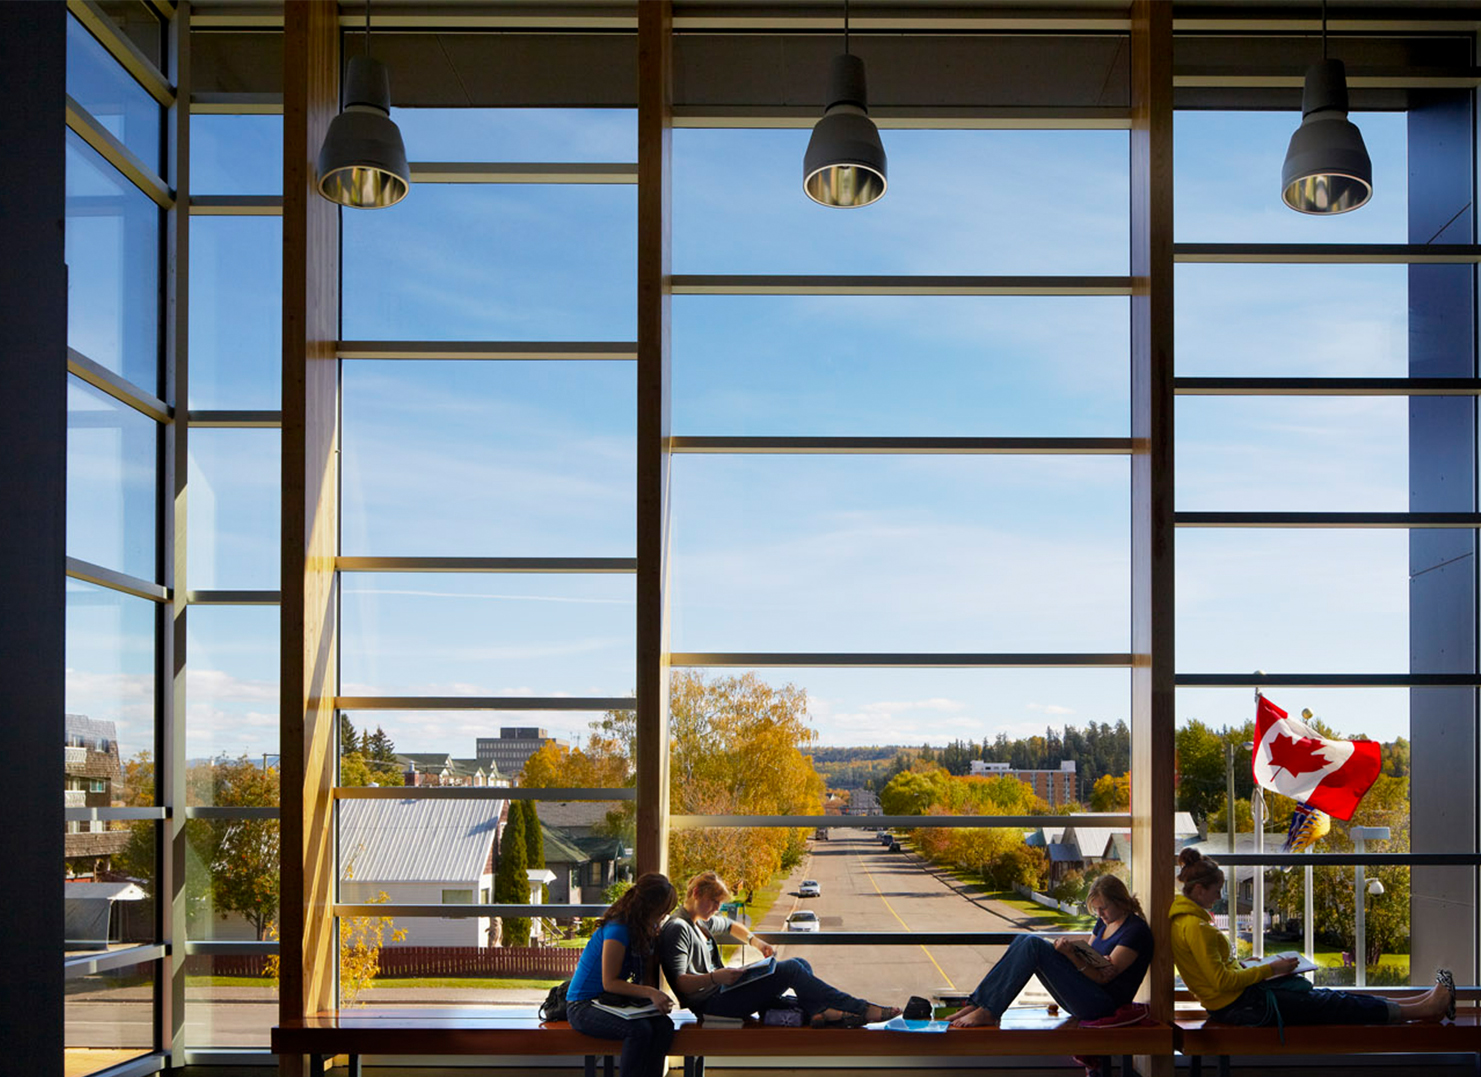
(110, 872)
(235, 479)
(136, 21)
(111, 482)
(112, 268)
(499, 459)
(1322, 601)
(1041, 202)
(235, 155)
(1228, 181)
(1293, 454)
(97, 82)
(495, 262)
(231, 692)
(596, 135)
(1292, 320)
(432, 634)
(111, 686)
(236, 345)
(912, 553)
(231, 1002)
(109, 1018)
(900, 366)
(231, 868)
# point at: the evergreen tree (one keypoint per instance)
(349, 740)
(379, 747)
(511, 883)
(534, 840)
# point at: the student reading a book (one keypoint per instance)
(1089, 978)
(1268, 994)
(691, 962)
(619, 962)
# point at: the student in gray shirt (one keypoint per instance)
(691, 963)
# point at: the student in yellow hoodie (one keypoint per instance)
(1269, 994)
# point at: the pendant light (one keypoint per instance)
(844, 165)
(1327, 169)
(362, 163)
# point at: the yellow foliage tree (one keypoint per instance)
(360, 942)
(1111, 793)
(937, 792)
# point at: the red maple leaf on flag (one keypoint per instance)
(1298, 755)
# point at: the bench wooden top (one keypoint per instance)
(507, 1031)
(1462, 1036)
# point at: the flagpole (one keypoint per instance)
(1232, 899)
(1257, 810)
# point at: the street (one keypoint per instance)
(864, 888)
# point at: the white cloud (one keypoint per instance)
(1050, 708)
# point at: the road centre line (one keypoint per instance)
(950, 986)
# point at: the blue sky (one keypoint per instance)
(780, 553)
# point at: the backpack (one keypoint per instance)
(554, 1006)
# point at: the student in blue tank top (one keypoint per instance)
(1121, 935)
(619, 960)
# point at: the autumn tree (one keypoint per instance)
(511, 881)
(239, 856)
(1111, 793)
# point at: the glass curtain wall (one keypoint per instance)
(120, 525)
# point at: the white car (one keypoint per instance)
(803, 920)
(809, 888)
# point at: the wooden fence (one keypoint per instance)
(513, 962)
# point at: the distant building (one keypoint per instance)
(509, 750)
(1055, 786)
(91, 767)
(437, 768)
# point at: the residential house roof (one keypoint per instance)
(416, 840)
(574, 815)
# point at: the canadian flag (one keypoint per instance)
(1289, 759)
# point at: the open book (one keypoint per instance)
(1089, 954)
(752, 972)
(1302, 965)
(625, 1006)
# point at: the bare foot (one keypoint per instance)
(976, 1017)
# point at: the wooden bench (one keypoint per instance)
(1197, 1037)
(514, 1032)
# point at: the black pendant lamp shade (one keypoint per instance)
(1327, 169)
(362, 163)
(845, 162)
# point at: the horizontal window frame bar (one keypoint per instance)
(129, 56)
(883, 285)
(118, 387)
(466, 912)
(1358, 78)
(234, 104)
(1337, 860)
(908, 118)
(235, 420)
(897, 660)
(1327, 680)
(91, 964)
(233, 598)
(261, 813)
(598, 565)
(230, 1056)
(236, 205)
(478, 792)
(1201, 386)
(1326, 253)
(908, 446)
(108, 815)
(485, 703)
(82, 123)
(88, 572)
(506, 350)
(1117, 821)
(230, 947)
(1404, 520)
(523, 172)
(906, 938)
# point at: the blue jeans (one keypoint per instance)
(1319, 1006)
(794, 972)
(645, 1040)
(1029, 956)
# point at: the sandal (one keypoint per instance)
(843, 1020)
(1446, 979)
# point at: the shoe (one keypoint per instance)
(844, 1020)
(1446, 979)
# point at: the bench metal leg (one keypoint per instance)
(1127, 1069)
(355, 1066)
(1195, 1066)
(1223, 1066)
(316, 1064)
(591, 1066)
(607, 1061)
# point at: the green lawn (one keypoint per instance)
(1056, 920)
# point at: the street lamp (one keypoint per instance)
(1360, 836)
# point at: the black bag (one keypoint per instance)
(554, 1006)
(918, 1009)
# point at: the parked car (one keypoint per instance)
(894, 845)
(885, 837)
(803, 920)
(809, 888)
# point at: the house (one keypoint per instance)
(91, 767)
(597, 859)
